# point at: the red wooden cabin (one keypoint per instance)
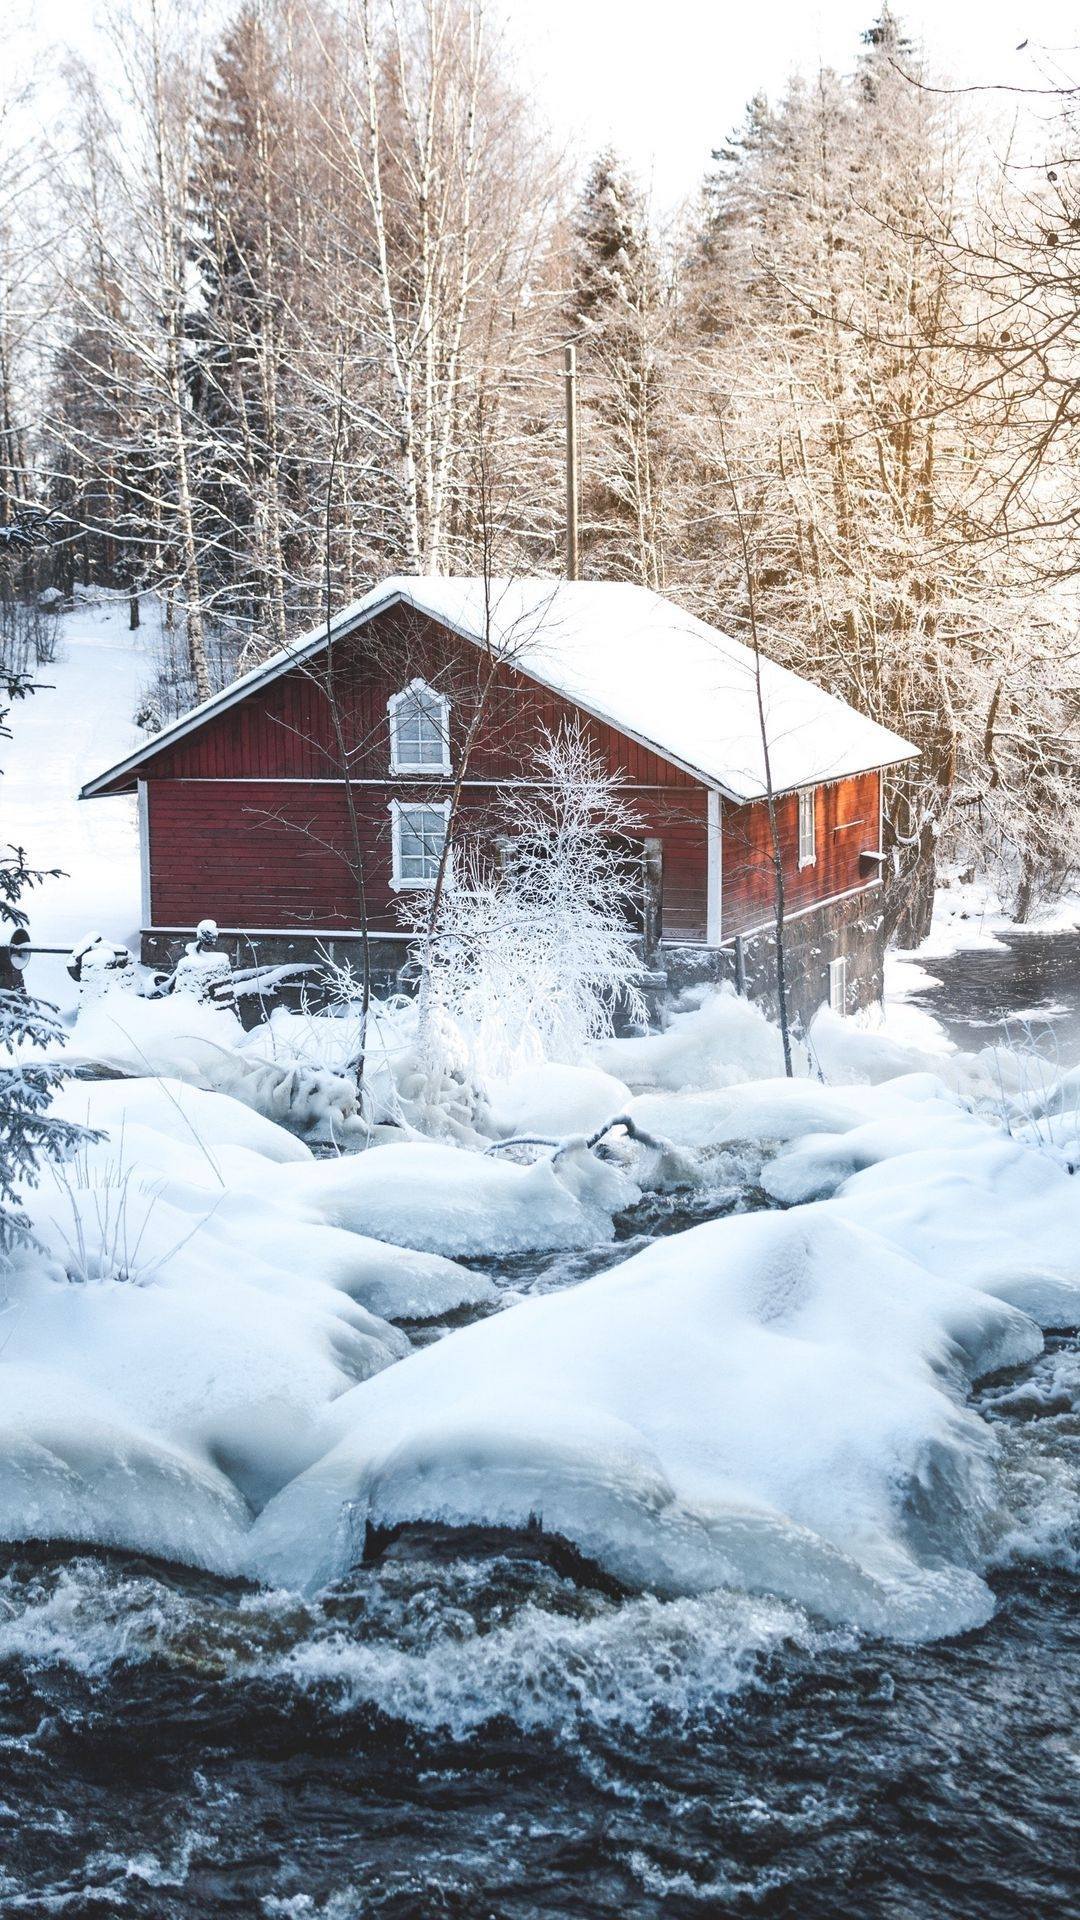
(427, 683)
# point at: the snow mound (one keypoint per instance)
(554, 1100)
(436, 1198)
(771, 1403)
(713, 1038)
(189, 1115)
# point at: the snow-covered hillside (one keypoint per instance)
(78, 721)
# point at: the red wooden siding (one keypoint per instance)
(284, 730)
(266, 854)
(846, 815)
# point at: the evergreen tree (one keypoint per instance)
(611, 257)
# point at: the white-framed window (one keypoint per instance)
(419, 730)
(838, 984)
(418, 831)
(807, 827)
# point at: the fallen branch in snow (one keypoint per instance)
(623, 1120)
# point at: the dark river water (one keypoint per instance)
(1028, 988)
(482, 1727)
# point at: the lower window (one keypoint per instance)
(419, 835)
(838, 985)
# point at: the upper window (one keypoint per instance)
(807, 828)
(419, 835)
(419, 730)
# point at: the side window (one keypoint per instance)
(419, 834)
(838, 984)
(419, 730)
(807, 827)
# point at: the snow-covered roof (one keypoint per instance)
(629, 657)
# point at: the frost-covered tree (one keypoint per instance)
(529, 959)
(837, 347)
(620, 313)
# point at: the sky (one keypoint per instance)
(667, 80)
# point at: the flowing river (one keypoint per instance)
(478, 1726)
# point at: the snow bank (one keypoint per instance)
(771, 1402)
(190, 1327)
(218, 1162)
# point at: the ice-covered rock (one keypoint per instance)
(71, 1469)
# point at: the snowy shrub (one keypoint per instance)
(530, 960)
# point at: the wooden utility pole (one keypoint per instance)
(571, 465)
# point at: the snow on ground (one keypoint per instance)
(969, 916)
(78, 722)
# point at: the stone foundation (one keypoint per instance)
(851, 927)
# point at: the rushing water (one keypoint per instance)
(472, 1725)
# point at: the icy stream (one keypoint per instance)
(478, 1725)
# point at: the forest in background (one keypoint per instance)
(283, 308)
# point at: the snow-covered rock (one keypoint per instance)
(441, 1199)
(772, 1402)
(553, 1100)
(190, 1115)
(995, 1213)
(714, 1038)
